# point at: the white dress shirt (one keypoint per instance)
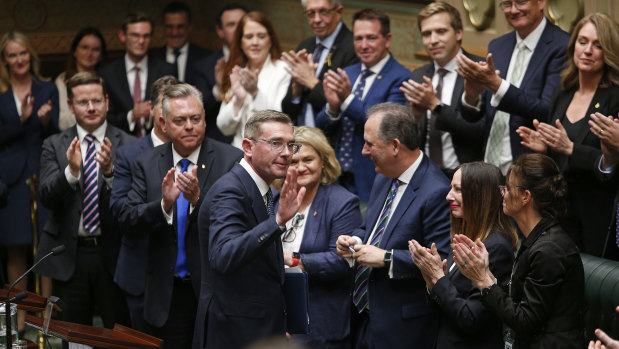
(176, 159)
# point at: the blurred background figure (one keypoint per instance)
(254, 78)
(87, 53)
(476, 212)
(327, 211)
(28, 114)
(543, 305)
(589, 84)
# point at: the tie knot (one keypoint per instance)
(395, 184)
(184, 164)
(90, 138)
(366, 72)
(442, 72)
(521, 46)
(177, 53)
(136, 68)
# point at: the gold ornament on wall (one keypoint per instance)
(564, 14)
(480, 12)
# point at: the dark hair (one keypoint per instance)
(178, 7)
(84, 78)
(229, 7)
(397, 122)
(71, 68)
(137, 17)
(540, 175)
(253, 125)
(159, 86)
(371, 14)
(238, 57)
(482, 212)
(439, 7)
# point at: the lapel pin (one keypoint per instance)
(379, 77)
(597, 105)
(203, 166)
(315, 213)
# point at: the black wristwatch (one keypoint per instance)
(296, 255)
(486, 290)
(438, 108)
(388, 258)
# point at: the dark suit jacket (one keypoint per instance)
(121, 101)
(386, 88)
(342, 54)
(4, 193)
(195, 54)
(532, 99)
(205, 83)
(399, 311)
(66, 205)
(545, 305)
(467, 137)
(242, 299)
(590, 201)
(142, 214)
(465, 322)
(130, 272)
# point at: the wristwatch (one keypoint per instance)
(296, 257)
(388, 258)
(486, 290)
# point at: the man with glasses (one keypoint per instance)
(330, 48)
(529, 62)
(168, 185)
(241, 299)
(129, 78)
(76, 180)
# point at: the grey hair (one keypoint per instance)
(179, 91)
(252, 126)
(334, 3)
(397, 122)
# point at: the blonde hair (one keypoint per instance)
(35, 63)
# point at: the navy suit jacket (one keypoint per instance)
(142, 214)
(242, 299)
(400, 315)
(211, 105)
(117, 86)
(65, 202)
(386, 88)
(195, 54)
(532, 99)
(130, 272)
(465, 321)
(467, 137)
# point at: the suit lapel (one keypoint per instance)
(501, 61)
(376, 85)
(11, 107)
(375, 207)
(538, 54)
(312, 222)
(124, 83)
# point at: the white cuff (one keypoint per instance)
(498, 96)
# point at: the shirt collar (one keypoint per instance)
(378, 66)
(193, 157)
(183, 50)
(532, 39)
(129, 65)
(407, 175)
(328, 41)
(450, 66)
(262, 185)
(156, 140)
(99, 133)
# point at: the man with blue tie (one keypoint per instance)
(131, 267)
(529, 62)
(330, 48)
(407, 202)
(168, 185)
(76, 180)
(351, 91)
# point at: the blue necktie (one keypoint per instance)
(362, 275)
(270, 203)
(348, 127)
(91, 192)
(182, 209)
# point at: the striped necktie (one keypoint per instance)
(91, 192)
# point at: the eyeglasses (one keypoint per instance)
(84, 102)
(291, 233)
(518, 4)
(505, 188)
(278, 146)
(322, 13)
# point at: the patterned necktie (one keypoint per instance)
(348, 127)
(270, 203)
(494, 148)
(362, 275)
(317, 53)
(175, 64)
(91, 192)
(435, 141)
(137, 98)
(182, 209)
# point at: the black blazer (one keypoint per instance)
(117, 86)
(545, 303)
(195, 54)
(342, 54)
(467, 137)
(590, 202)
(66, 205)
(142, 214)
(465, 322)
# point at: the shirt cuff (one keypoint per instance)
(608, 170)
(498, 96)
(129, 121)
(70, 177)
(332, 116)
(391, 265)
(169, 217)
(351, 261)
(347, 102)
(476, 108)
(296, 100)
(216, 93)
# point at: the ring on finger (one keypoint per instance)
(464, 265)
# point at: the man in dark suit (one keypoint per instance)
(168, 186)
(407, 202)
(331, 48)
(129, 78)
(213, 66)
(242, 300)
(354, 89)
(130, 272)
(76, 181)
(529, 62)
(435, 91)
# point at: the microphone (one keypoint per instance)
(55, 251)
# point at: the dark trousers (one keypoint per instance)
(136, 312)
(359, 329)
(90, 287)
(177, 332)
